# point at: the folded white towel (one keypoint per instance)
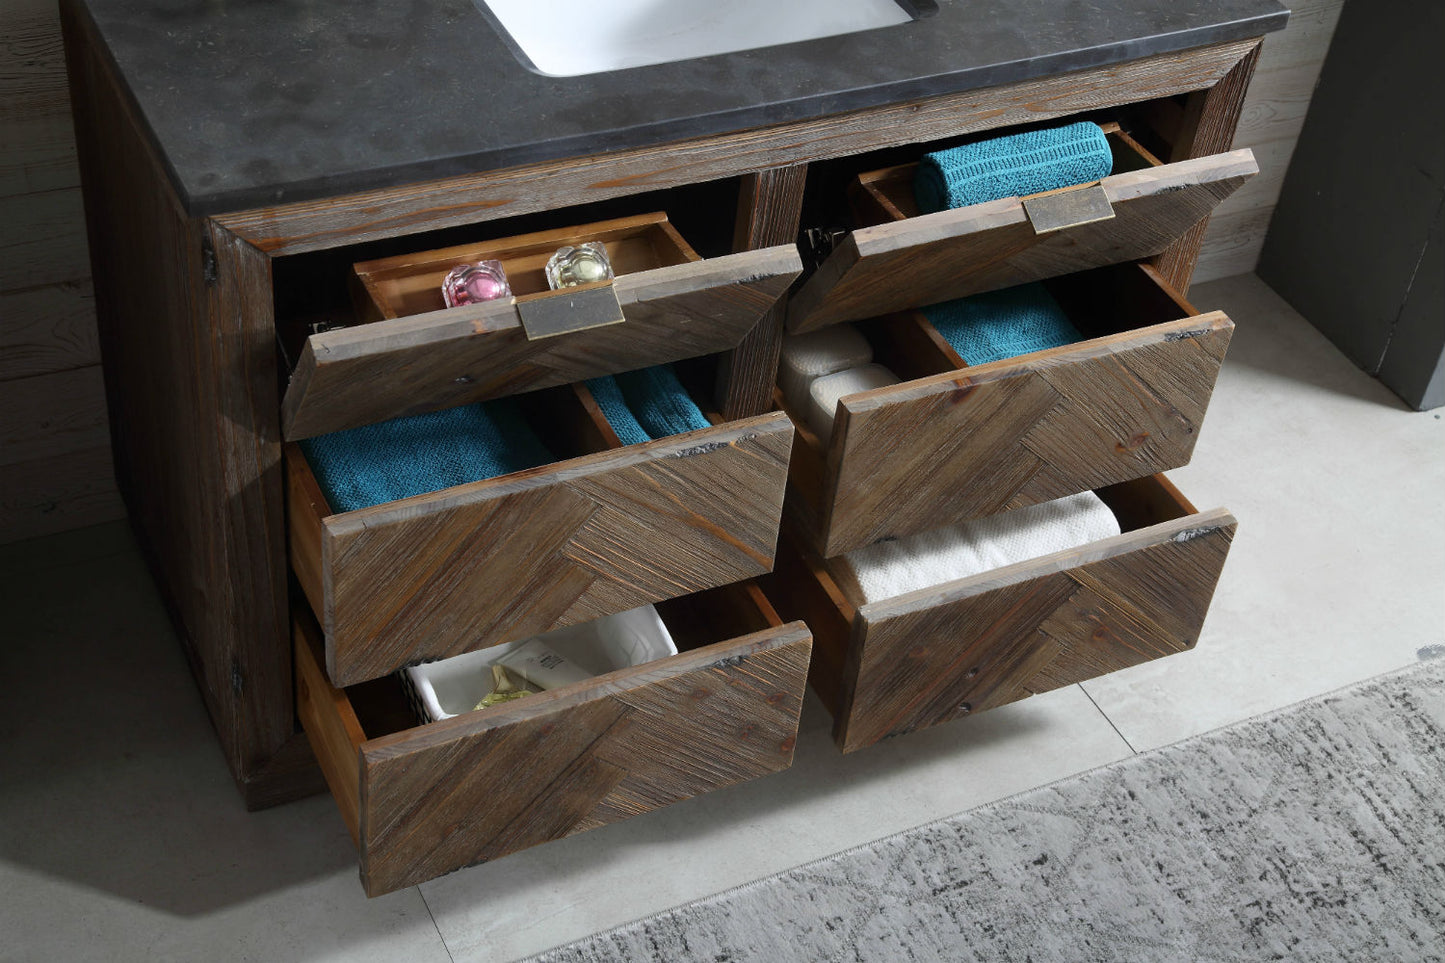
(818, 353)
(823, 394)
(887, 569)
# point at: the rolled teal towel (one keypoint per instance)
(614, 408)
(1012, 166)
(659, 402)
(366, 466)
(1003, 324)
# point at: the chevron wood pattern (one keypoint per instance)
(952, 254)
(971, 645)
(1019, 431)
(429, 800)
(502, 559)
(356, 376)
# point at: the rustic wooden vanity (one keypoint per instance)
(222, 350)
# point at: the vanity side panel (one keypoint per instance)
(185, 318)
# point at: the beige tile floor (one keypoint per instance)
(121, 837)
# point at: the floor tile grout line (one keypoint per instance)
(1107, 719)
(435, 925)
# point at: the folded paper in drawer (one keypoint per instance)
(449, 687)
(898, 566)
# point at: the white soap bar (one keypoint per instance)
(892, 568)
(824, 393)
(806, 357)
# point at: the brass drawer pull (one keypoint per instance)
(1058, 210)
(550, 313)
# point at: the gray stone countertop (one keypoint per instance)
(258, 102)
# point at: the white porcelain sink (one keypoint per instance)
(569, 38)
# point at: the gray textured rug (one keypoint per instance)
(1315, 833)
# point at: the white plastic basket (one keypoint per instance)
(449, 687)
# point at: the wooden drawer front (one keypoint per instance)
(905, 259)
(423, 800)
(979, 440)
(484, 563)
(931, 656)
(436, 359)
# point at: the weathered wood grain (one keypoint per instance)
(331, 726)
(950, 447)
(952, 254)
(57, 494)
(1213, 114)
(801, 588)
(42, 239)
(1232, 244)
(32, 63)
(314, 225)
(355, 376)
(770, 207)
(52, 414)
(188, 341)
(37, 148)
(485, 563)
(481, 785)
(48, 329)
(978, 643)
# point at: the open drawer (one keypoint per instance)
(913, 661)
(900, 259)
(954, 442)
(423, 800)
(413, 354)
(505, 558)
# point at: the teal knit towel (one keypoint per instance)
(614, 408)
(660, 402)
(374, 464)
(1003, 324)
(656, 404)
(1012, 166)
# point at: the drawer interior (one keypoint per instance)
(604, 529)
(425, 799)
(315, 290)
(880, 196)
(1136, 504)
(567, 419)
(704, 618)
(1147, 381)
(975, 643)
(890, 257)
(1111, 300)
(410, 353)
(411, 283)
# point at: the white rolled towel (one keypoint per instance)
(824, 392)
(818, 353)
(887, 569)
